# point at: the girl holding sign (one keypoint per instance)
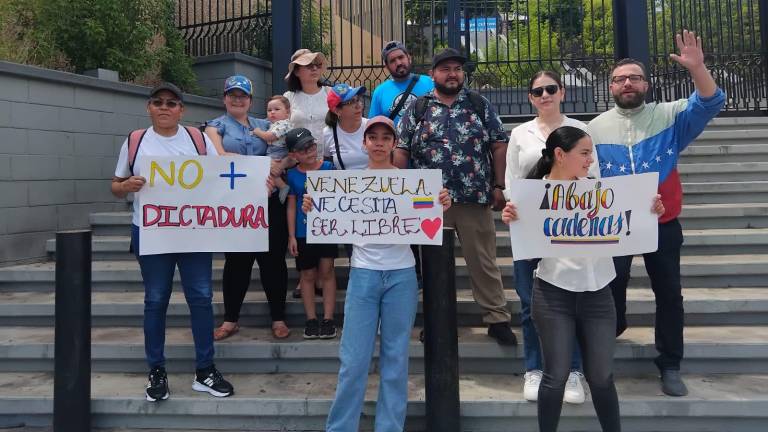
(382, 287)
(546, 93)
(572, 300)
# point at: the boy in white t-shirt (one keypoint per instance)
(167, 138)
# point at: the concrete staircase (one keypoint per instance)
(289, 385)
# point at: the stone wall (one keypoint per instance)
(212, 70)
(60, 134)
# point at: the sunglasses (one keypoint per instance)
(391, 45)
(621, 79)
(313, 66)
(170, 103)
(539, 91)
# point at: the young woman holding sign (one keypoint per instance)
(571, 298)
(382, 287)
(546, 93)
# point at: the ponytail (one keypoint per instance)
(331, 119)
(543, 166)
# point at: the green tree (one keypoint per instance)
(316, 27)
(597, 31)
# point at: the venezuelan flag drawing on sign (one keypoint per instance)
(423, 202)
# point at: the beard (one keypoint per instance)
(449, 91)
(401, 72)
(629, 101)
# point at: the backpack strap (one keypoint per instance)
(336, 143)
(478, 105)
(134, 141)
(197, 139)
(419, 111)
(404, 97)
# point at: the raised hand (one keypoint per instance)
(691, 54)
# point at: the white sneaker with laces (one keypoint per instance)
(574, 390)
(531, 386)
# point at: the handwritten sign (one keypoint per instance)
(606, 217)
(375, 206)
(203, 204)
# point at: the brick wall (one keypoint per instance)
(60, 134)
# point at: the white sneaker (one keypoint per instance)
(574, 390)
(531, 386)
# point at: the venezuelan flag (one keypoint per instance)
(423, 202)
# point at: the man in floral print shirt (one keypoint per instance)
(469, 146)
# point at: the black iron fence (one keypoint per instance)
(507, 41)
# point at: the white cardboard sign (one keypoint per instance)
(584, 218)
(397, 206)
(204, 204)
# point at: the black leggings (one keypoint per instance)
(272, 269)
(559, 315)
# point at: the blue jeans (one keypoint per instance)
(531, 348)
(372, 295)
(157, 273)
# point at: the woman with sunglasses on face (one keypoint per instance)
(307, 95)
(545, 92)
(232, 133)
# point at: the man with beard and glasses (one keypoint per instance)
(403, 86)
(638, 137)
(459, 132)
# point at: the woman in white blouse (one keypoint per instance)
(307, 94)
(545, 92)
(572, 299)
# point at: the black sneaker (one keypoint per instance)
(210, 380)
(297, 293)
(157, 387)
(312, 329)
(502, 333)
(327, 329)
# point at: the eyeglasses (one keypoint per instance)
(239, 97)
(354, 101)
(621, 79)
(539, 91)
(313, 66)
(170, 103)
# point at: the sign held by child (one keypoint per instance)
(375, 206)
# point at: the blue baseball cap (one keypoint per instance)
(238, 82)
(341, 93)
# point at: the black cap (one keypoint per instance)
(169, 87)
(448, 54)
(299, 139)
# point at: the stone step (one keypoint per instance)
(702, 271)
(300, 402)
(724, 216)
(719, 136)
(725, 153)
(725, 192)
(723, 171)
(703, 307)
(697, 242)
(717, 349)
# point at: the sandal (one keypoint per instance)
(222, 332)
(280, 330)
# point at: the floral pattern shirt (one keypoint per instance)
(455, 140)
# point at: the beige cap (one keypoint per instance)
(303, 57)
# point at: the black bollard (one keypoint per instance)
(72, 370)
(441, 339)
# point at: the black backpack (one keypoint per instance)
(420, 108)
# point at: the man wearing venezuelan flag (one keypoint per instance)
(638, 137)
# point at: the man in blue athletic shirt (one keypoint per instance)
(387, 96)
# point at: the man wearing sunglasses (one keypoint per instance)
(403, 86)
(167, 138)
(638, 137)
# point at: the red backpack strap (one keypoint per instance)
(197, 139)
(134, 140)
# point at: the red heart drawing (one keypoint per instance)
(431, 226)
